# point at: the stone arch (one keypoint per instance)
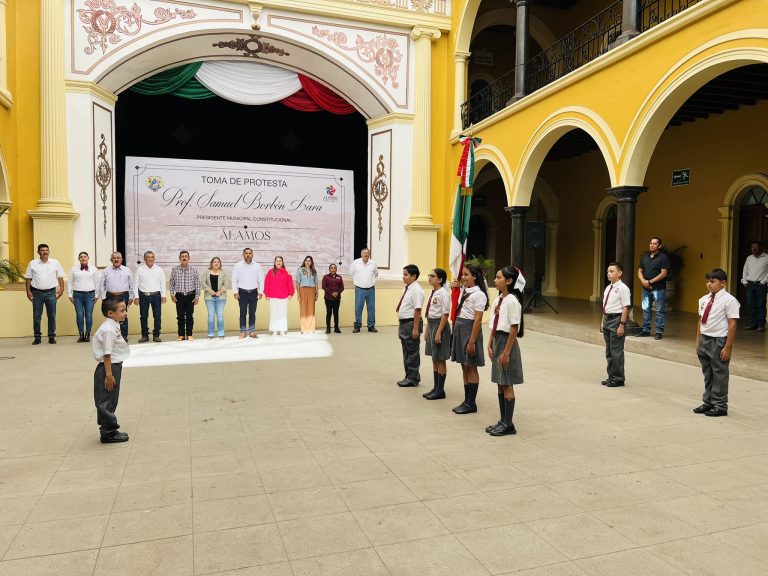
(551, 204)
(539, 31)
(688, 75)
(548, 133)
(486, 153)
(5, 206)
(598, 230)
(729, 219)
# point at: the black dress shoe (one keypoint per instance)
(502, 430)
(372, 329)
(143, 339)
(465, 408)
(407, 384)
(36, 341)
(659, 336)
(614, 384)
(715, 412)
(114, 438)
(403, 381)
(436, 395)
(327, 330)
(336, 331)
(356, 329)
(492, 426)
(51, 340)
(606, 382)
(643, 334)
(751, 327)
(703, 409)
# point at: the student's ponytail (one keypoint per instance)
(514, 273)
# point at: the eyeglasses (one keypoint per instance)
(431, 275)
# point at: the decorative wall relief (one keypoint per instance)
(380, 190)
(103, 185)
(103, 178)
(381, 197)
(251, 46)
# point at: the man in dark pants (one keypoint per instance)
(652, 273)
(185, 293)
(150, 289)
(248, 287)
(45, 285)
(755, 280)
(409, 314)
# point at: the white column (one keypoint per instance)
(597, 275)
(459, 89)
(550, 278)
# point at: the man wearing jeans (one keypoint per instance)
(364, 273)
(653, 271)
(150, 292)
(248, 287)
(45, 285)
(755, 280)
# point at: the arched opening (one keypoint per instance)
(752, 226)
(489, 228)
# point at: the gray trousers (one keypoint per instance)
(614, 349)
(715, 371)
(411, 350)
(106, 402)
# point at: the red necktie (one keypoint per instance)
(83, 267)
(496, 317)
(429, 302)
(606, 298)
(705, 316)
(401, 299)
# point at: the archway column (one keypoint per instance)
(626, 198)
(630, 24)
(726, 243)
(521, 47)
(53, 219)
(460, 60)
(421, 230)
(550, 277)
(517, 235)
(597, 232)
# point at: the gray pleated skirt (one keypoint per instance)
(514, 372)
(462, 330)
(440, 351)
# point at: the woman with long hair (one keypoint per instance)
(214, 284)
(306, 282)
(467, 346)
(81, 289)
(278, 289)
(438, 338)
(333, 286)
(506, 323)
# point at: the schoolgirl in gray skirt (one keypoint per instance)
(438, 340)
(506, 324)
(467, 346)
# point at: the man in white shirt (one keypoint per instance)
(45, 285)
(409, 314)
(364, 273)
(248, 286)
(150, 288)
(755, 278)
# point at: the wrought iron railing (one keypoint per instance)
(587, 42)
(489, 100)
(653, 12)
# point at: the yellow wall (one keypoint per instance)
(20, 126)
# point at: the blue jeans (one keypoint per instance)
(45, 298)
(660, 298)
(756, 294)
(216, 313)
(365, 296)
(84, 310)
(154, 301)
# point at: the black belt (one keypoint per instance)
(185, 293)
(83, 291)
(404, 320)
(502, 332)
(43, 289)
(149, 293)
(613, 315)
(117, 293)
(753, 282)
(361, 288)
(247, 291)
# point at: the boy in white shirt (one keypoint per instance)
(616, 303)
(409, 316)
(109, 349)
(715, 333)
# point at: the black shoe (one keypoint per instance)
(716, 412)
(356, 329)
(327, 330)
(464, 408)
(614, 384)
(502, 430)
(492, 426)
(82, 338)
(703, 409)
(407, 384)
(428, 392)
(87, 336)
(336, 330)
(36, 341)
(643, 334)
(403, 381)
(143, 339)
(372, 329)
(753, 327)
(114, 438)
(659, 336)
(436, 395)
(51, 340)
(761, 329)
(606, 382)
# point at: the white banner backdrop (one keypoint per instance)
(214, 208)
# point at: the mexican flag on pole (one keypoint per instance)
(461, 212)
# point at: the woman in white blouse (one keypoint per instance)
(81, 290)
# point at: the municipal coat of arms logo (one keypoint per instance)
(330, 194)
(154, 183)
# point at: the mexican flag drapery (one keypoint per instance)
(461, 212)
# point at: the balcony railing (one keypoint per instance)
(583, 45)
(653, 12)
(489, 100)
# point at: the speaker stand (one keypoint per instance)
(536, 299)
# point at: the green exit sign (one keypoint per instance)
(681, 177)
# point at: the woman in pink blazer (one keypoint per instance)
(278, 289)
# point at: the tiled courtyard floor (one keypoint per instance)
(324, 466)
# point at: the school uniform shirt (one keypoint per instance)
(149, 280)
(474, 302)
(616, 296)
(364, 274)
(413, 299)
(109, 340)
(44, 275)
(82, 280)
(509, 313)
(723, 308)
(117, 280)
(440, 303)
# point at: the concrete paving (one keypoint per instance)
(323, 466)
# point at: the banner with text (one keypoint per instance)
(214, 208)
